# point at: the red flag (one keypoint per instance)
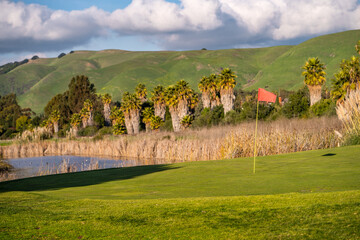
(266, 96)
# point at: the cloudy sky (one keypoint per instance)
(48, 27)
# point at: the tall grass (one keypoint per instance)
(349, 114)
(283, 136)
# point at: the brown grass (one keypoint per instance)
(349, 112)
(283, 136)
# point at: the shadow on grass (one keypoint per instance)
(329, 154)
(79, 179)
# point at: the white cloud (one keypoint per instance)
(193, 23)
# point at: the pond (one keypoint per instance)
(38, 166)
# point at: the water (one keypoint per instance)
(37, 166)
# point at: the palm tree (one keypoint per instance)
(214, 90)
(314, 78)
(106, 99)
(54, 118)
(187, 121)
(204, 88)
(156, 123)
(75, 123)
(117, 116)
(172, 102)
(141, 92)
(186, 97)
(158, 97)
(84, 114)
(148, 113)
(118, 121)
(357, 47)
(88, 105)
(180, 98)
(131, 106)
(347, 79)
(226, 85)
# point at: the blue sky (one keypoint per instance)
(47, 28)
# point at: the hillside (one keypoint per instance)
(116, 71)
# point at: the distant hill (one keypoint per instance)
(117, 71)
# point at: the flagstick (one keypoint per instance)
(257, 113)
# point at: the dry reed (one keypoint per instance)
(349, 112)
(282, 136)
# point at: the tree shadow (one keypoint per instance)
(79, 179)
(328, 155)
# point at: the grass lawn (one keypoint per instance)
(313, 194)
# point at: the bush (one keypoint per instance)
(105, 131)
(88, 131)
(63, 130)
(61, 55)
(209, 117)
(298, 104)
(323, 107)
(232, 117)
(351, 139)
(167, 126)
(99, 119)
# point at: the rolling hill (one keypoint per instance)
(117, 71)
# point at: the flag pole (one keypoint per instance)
(257, 113)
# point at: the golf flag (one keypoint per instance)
(263, 96)
(266, 96)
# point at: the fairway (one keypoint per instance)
(314, 194)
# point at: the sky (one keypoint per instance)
(48, 27)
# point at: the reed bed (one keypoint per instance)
(223, 142)
(349, 113)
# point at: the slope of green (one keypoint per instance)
(320, 199)
(285, 71)
(117, 71)
(114, 71)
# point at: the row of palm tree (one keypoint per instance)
(347, 79)
(218, 89)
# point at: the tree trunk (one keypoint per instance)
(74, 131)
(205, 97)
(84, 122)
(107, 112)
(91, 119)
(315, 94)
(148, 127)
(56, 127)
(175, 119)
(160, 111)
(135, 120)
(227, 99)
(128, 125)
(182, 109)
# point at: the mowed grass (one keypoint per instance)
(313, 195)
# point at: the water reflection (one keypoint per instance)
(38, 166)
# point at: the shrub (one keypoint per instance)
(99, 119)
(88, 131)
(156, 122)
(61, 55)
(118, 129)
(105, 131)
(323, 107)
(209, 117)
(232, 117)
(298, 104)
(63, 130)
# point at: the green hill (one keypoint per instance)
(305, 195)
(117, 71)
